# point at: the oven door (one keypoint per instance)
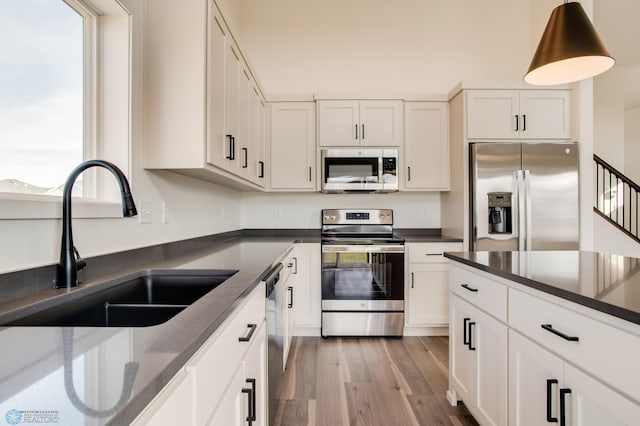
(363, 277)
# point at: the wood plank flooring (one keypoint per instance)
(368, 381)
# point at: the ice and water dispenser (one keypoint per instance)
(500, 218)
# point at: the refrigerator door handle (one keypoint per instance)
(527, 209)
(521, 202)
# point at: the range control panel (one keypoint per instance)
(357, 217)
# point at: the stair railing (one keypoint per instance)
(616, 198)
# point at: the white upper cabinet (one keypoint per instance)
(518, 114)
(201, 118)
(360, 123)
(426, 146)
(293, 146)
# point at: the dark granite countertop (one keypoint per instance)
(604, 282)
(32, 358)
(424, 235)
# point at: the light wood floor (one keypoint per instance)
(368, 381)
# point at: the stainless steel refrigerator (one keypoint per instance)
(524, 196)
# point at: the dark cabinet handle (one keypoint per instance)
(550, 329)
(252, 329)
(550, 383)
(471, 289)
(465, 326)
(290, 290)
(517, 122)
(232, 148)
(246, 157)
(356, 132)
(310, 174)
(412, 281)
(295, 264)
(437, 254)
(471, 347)
(261, 164)
(563, 408)
(409, 173)
(251, 399)
(363, 132)
(524, 122)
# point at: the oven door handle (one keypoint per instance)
(356, 248)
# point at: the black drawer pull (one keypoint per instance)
(563, 408)
(550, 328)
(474, 290)
(471, 347)
(465, 338)
(550, 383)
(435, 254)
(290, 290)
(252, 329)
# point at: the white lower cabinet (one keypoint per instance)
(427, 287)
(478, 362)
(224, 383)
(307, 291)
(543, 388)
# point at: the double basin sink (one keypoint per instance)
(150, 298)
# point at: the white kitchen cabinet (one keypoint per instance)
(360, 123)
(478, 346)
(175, 401)
(198, 98)
(307, 292)
(288, 278)
(518, 114)
(293, 146)
(541, 382)
(426, 146)
(427, 288)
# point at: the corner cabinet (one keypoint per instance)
(427, 288)
(307, 291)
(203, 393)
(360, 123)
(426, 146)
(293, 146)
(204, 108)
(518, 114)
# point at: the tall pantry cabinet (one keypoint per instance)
(205, 111)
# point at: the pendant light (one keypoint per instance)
(569, 50)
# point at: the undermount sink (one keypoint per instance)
(150, 299)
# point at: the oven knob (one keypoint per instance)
(333, 217)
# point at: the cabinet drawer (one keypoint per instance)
(431, 252)
(219, 358)
(604, 351)
(482, 292)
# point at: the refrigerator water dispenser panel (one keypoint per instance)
(500, 217)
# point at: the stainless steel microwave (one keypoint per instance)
(359, 170)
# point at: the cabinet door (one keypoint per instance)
(233, 71)
(381, 123)
(293, 146)
(460, 359)
(535, 377)
(260, 163)
(591, 403)
(428, 295)
(174, 402)
(289, 288)
(545, 114)
(426, 146)
(255, 368)
(489, 337)
(234, 405)
(338, 123)
(218, 142)
(493, 114)
(307, 294)
(245, 140)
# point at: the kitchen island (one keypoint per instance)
(536, 336)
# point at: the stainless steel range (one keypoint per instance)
(362, 274)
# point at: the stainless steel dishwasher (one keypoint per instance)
(275, 331)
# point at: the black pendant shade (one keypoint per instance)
(569, 50)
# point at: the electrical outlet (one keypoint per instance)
(427, 212)
(277, 212)
(144, 211)
(222, 212)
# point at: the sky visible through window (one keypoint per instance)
(41, 94)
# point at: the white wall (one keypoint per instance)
(415, 46)
(609, 122)
(610, 240)
(632, 144)
(302, 210)
(194, 205)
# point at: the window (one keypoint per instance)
(64, 80)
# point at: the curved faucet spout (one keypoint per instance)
(67, 270)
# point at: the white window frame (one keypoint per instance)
(107, 112)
